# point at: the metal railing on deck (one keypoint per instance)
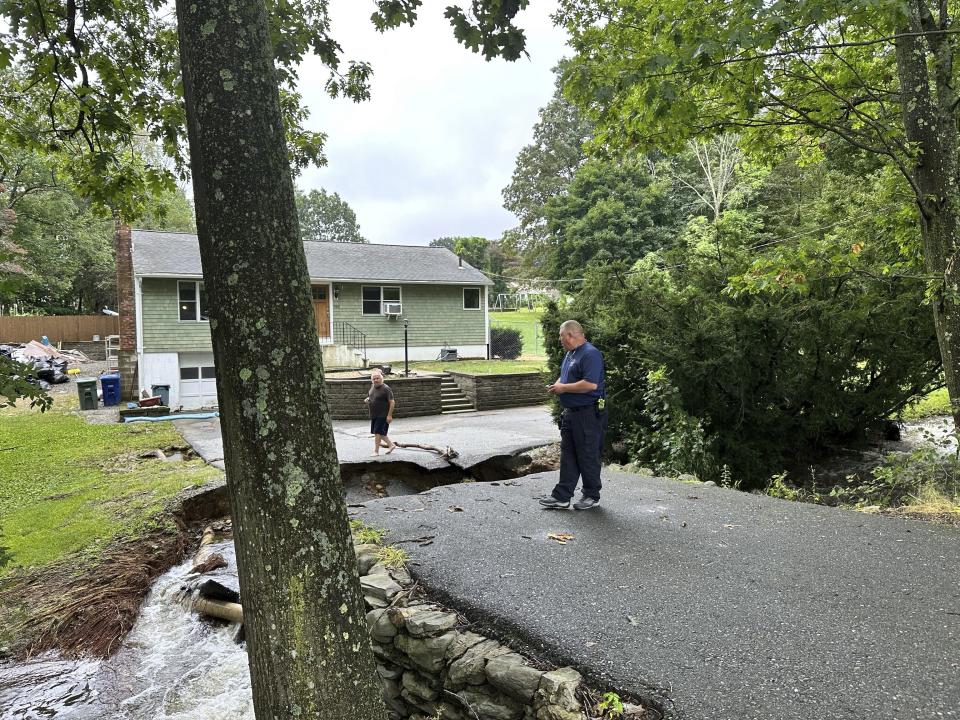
(346, 334)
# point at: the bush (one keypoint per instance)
(506, 343)
(903, 479)
(758, 381)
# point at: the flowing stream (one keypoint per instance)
(172, 665)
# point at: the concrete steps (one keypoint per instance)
(452, 399)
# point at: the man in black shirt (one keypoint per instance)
(381, 403)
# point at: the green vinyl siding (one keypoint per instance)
(435, 313)
(162, 329)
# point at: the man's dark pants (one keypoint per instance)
(581, 441)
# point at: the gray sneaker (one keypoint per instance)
(586, 503)
(549, 501)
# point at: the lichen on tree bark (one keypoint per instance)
(308, 647)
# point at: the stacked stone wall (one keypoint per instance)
(432, 666)
(414, 397)
(493, 392)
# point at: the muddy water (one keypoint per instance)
(171, 665)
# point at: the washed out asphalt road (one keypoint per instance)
(475, 436)
(716, 604)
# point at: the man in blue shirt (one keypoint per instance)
(581, 391)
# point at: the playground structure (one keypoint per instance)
(521, 300)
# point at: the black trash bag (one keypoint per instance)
(59, 365)
(47, 373)
(59, 378)
(7, 350)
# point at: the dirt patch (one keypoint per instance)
(87, 611)
(950, 519)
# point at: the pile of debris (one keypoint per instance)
(49, 365)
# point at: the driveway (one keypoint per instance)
(475, 436)
(716, 604)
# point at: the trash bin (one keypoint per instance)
(163, 391)
(110, 383)
(87, 390)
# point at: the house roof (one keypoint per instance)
(174, 254)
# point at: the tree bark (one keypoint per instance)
(930, 122)
(307, 641)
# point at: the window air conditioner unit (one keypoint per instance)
(391, 309)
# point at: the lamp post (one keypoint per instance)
(406, 357)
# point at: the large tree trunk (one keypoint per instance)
(929, 117)
(307, 641)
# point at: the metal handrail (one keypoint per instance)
(346, 334)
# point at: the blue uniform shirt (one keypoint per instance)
(582, 363)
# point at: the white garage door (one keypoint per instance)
(198, 381)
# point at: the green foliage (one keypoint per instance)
(658, 73)
(930, 405)
(794, 320)
(676, 442)
(326, 217)
(610, 705)
(393, 557)
(506, 343)
(902, 480)
(363, 533)
(488, 256)
(544, 170)
(612, 211)
(14, 385)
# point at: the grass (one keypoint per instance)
(528, 323)
(68, 487)
(935, 403)
(483, 367)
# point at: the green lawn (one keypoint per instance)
(528, 323)
(68, 487)
(936, 403)
(481, 367)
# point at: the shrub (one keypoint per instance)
(506, 343)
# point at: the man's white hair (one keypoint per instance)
(572, 327)
(375, 373)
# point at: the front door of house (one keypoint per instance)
(321, 309)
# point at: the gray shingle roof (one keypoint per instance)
(172, 254)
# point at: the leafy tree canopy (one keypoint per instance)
(326, 217)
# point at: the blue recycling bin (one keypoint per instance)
(110, 384)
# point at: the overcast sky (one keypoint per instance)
(430, 152)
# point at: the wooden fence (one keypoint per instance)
(59, 328)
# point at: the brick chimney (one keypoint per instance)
(126, 306)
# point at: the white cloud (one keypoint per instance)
(430, 152)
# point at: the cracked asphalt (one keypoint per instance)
(476, 436)
(711, 603)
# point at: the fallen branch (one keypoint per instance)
(447, 453)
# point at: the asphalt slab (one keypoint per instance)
(711, 603)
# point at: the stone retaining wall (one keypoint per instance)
(492, 392)
(430, 665)
(414, 396)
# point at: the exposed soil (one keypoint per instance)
(86, 611)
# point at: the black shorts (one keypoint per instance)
(379, 426)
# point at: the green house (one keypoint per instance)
(363, 297)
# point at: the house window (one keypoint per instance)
(375, 298)
(471, 298)
(193, 302)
